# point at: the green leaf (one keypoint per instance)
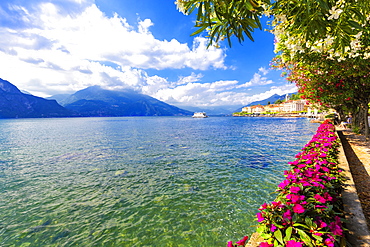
(200, 30)
(279, 236)
(323, 4)
(318, 238)
(355, 24)
(306, 239)
(308, 222)
(298, 224)
(288, 233)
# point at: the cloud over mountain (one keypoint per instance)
(75, 48)
(57, 47)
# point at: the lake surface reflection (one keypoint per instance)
(140, 181)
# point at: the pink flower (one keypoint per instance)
(230, 244)
(328, 197)
(329, 242)
(277, 204)
(265, 244)
(242, 241)
(283, 184)
(287, 215)
(320, 223)
(298, 209)
(294, 189)
(273, 228)
(336, 227)
(323, 155)
(263, 206)
(294, 198)
(319, 198)
(260, 217)
(300, 166)
(293, 243)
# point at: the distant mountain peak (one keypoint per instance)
(15, 104)
(6, 86)
(272, 99)
(97, 101)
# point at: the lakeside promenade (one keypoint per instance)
(356, 196)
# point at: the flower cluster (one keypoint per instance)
(305, 212)
(241, 242)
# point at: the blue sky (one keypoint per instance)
(62, 46)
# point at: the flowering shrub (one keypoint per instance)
(305, 212)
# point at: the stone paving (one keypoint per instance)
(356, 196)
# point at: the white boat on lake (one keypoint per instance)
(200, 115)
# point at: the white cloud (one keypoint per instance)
(263, 70)
(200, 94)
(189, 79)
(280, 90)
(218, 93)
(61, 52)
(258, 79)
(67, 52)
(92, 35)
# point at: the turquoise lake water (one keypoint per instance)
(140, 181)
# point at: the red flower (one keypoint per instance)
(242, 241)
(265, 244)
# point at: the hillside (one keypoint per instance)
(15, 104)
(270, 100)
(97, 102)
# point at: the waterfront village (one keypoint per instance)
(290, 107)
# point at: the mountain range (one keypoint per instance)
(99, 102)
(95, 101)
(15, 104)
(90, 102)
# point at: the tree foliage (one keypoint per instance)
(343, 85)
(223, 19)
(323, 45)
(336, 27)
(310, 22)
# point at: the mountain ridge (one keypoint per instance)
(96, 101)
(15, 104)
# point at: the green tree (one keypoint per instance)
(225, 18)
(333, 84)
(279, 101)
(310, 23)
(324, 34)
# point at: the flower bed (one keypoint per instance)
(307, 210)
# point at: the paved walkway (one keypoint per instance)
(354, 159)
(360, 167)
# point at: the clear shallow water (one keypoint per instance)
(140, 181)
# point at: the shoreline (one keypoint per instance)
(291, 115)
(357, 233)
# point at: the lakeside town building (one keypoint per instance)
(288, 106)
